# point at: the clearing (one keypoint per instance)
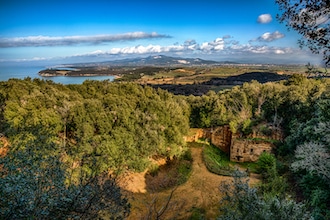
(200, 195)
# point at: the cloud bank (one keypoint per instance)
(42, 41)
(264, 18)
(225, 47)
(268, 37)
(219, 46)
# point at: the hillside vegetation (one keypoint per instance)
(122, 125)
(79, 134)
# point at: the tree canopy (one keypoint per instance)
(113, 124)
(66, 137)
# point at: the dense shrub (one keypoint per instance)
(217, 161)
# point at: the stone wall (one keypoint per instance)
(221, 138)
(239, 149)
(248, 150)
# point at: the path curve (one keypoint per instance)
(200, 191)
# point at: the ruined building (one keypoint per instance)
(239, 149)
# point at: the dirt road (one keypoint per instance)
(199, 194)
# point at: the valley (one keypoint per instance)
(105, 149)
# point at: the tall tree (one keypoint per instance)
(311, 18)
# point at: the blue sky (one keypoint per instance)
(78, 31)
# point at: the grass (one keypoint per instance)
(195, 144)
(251, 166)
(217, 161)
(173, 173)
(197, 213)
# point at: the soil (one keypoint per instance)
(4, 146)
(201, 192)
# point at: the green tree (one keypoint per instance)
(242, 202)
(273, 184)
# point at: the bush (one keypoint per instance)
(247, 127)
(242, 202)
(217, 161)
(266, 163)
(197, 214)
(187, 156)
(153, 169)
(265, 130)
(173, 173)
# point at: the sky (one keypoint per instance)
(69, 31)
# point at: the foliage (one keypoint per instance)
(98, 127)
(247, 127)
(35, 186)
(317, 191)
(243, 107)
(115, 126)
(299, 107)
(273, 184)
(217, 161)
(266, 162)
(242, 202)
(310, 18)
(196, 144)
(309, 142)
(197, 214)
(314, 158)
(175, 172)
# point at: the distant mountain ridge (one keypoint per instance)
(157, 60)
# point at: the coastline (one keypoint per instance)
(75, 73)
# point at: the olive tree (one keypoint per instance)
(312, 157)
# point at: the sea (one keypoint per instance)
(21, 71)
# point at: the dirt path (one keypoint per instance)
(201, 192)
(4, 146)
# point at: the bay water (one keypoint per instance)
(21, 71)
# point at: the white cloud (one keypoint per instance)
(136, 50)
(257, 49)
(268, 37)
(216, 47)
(191, 45)
(264, 18)
(206, 46)
(279, 51)
(220, 48)
(38, 41)
(188, 46)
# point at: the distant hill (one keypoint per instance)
(158, 60)
(261, 77)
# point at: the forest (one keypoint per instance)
(65, 150)
(69, 143)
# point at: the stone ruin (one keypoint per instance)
(239, 149)
(246, 150)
